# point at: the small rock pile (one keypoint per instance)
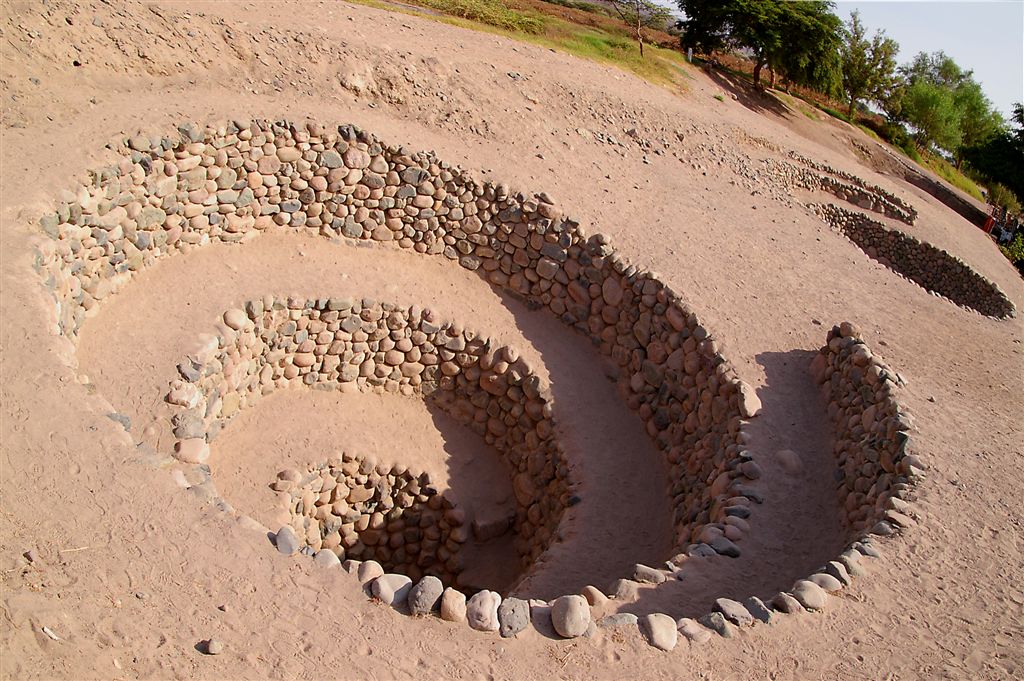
(359, 509)
(931, 268)
(343, 344)
(872, 433)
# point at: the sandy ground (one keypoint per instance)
(133, 572)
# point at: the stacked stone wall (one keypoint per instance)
(230, 182)
(341, 344)
(362, 510)
(872, 432)
(929, 267)
(849, 187)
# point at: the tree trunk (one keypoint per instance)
(639, 34)
(849, 113)
(757, 70)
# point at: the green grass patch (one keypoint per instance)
(582, 6)
(835, 114)
(949, 173)
(491, 12)
(869, 132)
(659, 65)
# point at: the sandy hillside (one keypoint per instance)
(109, 569)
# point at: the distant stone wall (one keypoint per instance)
(232, 181)
(933, 269)
(849, 187)
(340, 344)
(872, 432)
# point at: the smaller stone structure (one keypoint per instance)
(359, 509)
(931, 268)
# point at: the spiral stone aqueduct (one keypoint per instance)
(389, 526)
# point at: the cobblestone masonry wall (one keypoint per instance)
(933, 269)
(358, 509)
(229, 182)
(339, 343)
(872, 432)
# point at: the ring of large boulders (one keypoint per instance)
(931, 268)
(232, 181)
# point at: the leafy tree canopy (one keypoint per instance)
(868, 65)
(800, 40)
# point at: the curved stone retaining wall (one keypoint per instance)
(872, 431)
(338, 343)
(358, 509)
(929, 267)
(231, 181)
(849, 187)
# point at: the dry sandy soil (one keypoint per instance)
(131, 573)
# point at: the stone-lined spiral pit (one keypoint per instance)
(230, 182)
(344, 344)
(931, 268)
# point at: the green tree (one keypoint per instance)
(798, 39)
(1000, 158)
(809, 53)
(639, 13)
(869, 65)
(979, 121)
(945, 104)
(931, 109)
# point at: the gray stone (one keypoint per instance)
(513, 616)
(326, 558)
(715, 621)
(286, 541)
(482, 610)
(331, 159)
(851, 561)
(570, 615)
(809, 594)
(756, 607)
(188, 425)
(700, 551)
(425, 596)
(125, 421)
(391, 589)
(414, 176)
(838, 570)
(369, 571)
(826, 582)
(693, 631)
(619, 619)
(783, 602)
(734, 612)
(213, 647)
(867, 549)
(643, 573)
(624, 590)
(725, 547)
(660, 631)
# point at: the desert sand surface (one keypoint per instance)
(110, 570)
